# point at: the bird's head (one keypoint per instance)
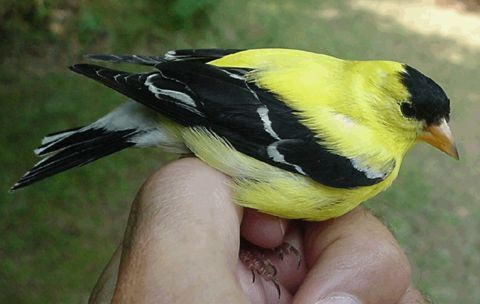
(429, 107)
(413, 105)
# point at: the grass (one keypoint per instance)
(58, 234)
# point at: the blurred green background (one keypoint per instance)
(56, 236)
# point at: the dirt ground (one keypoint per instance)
(450, 19)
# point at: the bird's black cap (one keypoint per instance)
(429, 101)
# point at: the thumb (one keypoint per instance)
(182, 236)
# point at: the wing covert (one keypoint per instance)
(198, 55)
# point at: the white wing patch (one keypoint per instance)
(252, 91)
(272, 149)
(184, 98)
(233, 75)
(171, 55)
(372, 173)
(267, 124)
(181, 99)
(278, 157)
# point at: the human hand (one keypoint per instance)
(182, 243)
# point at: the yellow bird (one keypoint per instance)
(303, 135)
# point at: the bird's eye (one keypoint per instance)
(407, 110)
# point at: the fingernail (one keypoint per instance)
(339, 298)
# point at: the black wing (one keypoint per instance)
(252, 119)
(199, 55)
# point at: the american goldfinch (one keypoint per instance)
(303, 135)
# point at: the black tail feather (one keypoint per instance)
(63, 131)
(83, 137)
(77, 150)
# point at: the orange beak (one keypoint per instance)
(441, 138)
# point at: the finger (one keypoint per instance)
(354, 259)
(412, 296)
(181, 242)
(263, 230)
(105, 286)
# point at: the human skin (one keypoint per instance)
(182, 242)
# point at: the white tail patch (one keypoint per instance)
(128, 116)
(50, 139)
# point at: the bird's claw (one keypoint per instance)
(261, 265)
(286, 249)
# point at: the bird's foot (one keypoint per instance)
(259, 264)
(286, 249)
